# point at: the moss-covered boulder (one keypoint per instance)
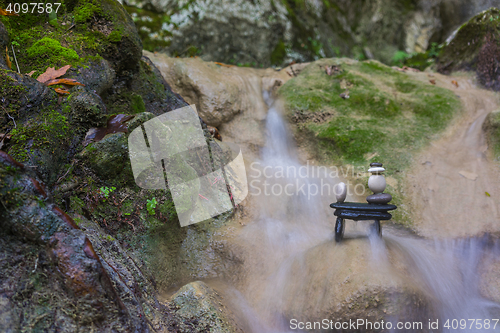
(87, 108)
(476, 47)
(383, 114)
(198, 308)
(109, 159)
(491, 126)
(79, 32)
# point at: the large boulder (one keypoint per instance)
(475, 47)
(219, 93)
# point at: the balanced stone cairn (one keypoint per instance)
(377, 184)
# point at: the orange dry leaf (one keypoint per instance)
(51, 73)
(30, 73)
(69, 82)
(61, 91)
(432, 81)
(3, 12)
(224, 65)
(7, 59)
(454, 83)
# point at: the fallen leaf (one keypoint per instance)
(224, 65)
(468, 175)
(215, 132)
(455, 83)
(51, 73)
(61, 91)
(69, 82)
(7, 59)
(3, 12)
(30, 73)
(487, 194)
(432, 81)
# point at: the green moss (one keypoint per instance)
(50, 51)
(385, 106)
(86, 11)
(279, 53)
(137, 104)
(492, 128)
(39, 135)
(115, 36)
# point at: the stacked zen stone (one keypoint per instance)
(377, 184)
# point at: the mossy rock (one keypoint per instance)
(81, 31)
(476, 47)
(491, 126)
(87, 108)
(388, 115)
(198, 308)
(109, 159)
(148, 91)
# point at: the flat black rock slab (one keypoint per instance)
(362, 206)
(358, 215)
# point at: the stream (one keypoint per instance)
(293, 264)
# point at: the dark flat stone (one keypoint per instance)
(362, 206)
(380, 198)
(358, 215)
(376, 164)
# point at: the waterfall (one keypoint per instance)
(294, 259)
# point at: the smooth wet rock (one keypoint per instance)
(376, 164)
(87, 108)
(341, 192)
(380, 198)
(376, 170)
(218, 94)
(377, 183)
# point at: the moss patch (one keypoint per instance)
(50, 50)
(492, 128)
(388, 115)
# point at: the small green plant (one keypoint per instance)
(434, 50)
(151, 205)
(399, 58)
(105, 191)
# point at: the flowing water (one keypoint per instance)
(295, 270)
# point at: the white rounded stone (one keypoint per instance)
(376, 170)
(341, 191)
(376, 183)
